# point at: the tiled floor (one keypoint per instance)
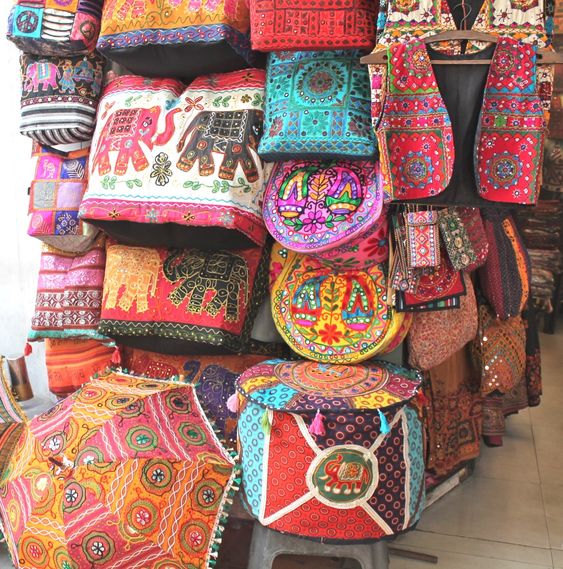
(509, 514)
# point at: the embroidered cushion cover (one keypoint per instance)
(175, 167)
(317, 106)
(331, 316)
(59, 97)
(55, 195)
(312, 206)
(182, 300)
(278, 25)
(137, 473)
(55, 27)
(358, 480)
(69, 294)
(177, 38)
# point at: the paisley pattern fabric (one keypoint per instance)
(317, 106)
(346, 24)
(312, 206)
(71, 363)
(331, 316)
(176, 38)
(509, 143)
(416, 144)
(56, 192)
(178, 167)
(182, 300)
(124, 469)
(55, 27)
(69, 294)
(356, 481)
(60, 96)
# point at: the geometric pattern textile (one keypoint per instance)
(125, 469)
(361, 478)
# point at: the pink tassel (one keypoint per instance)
(27, 349)
(317, 427)
(116, 356)
(232, 403)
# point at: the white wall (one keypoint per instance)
(19, 253)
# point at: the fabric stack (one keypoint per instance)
(239, 225)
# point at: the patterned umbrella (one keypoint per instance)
(125, 473)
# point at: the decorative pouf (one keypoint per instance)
(332, 452)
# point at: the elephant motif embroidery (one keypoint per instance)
(41, 74)
(122, 133)
(44, 75)
(133, 271)
(345, 476)
(230, 133)
(212, 280)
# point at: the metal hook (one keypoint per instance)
(467, 8)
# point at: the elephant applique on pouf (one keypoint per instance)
(178, 167)
(182, 301)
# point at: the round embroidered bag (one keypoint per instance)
(332, 452)
(312, 206)
(331, 316)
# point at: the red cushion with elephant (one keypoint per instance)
(175, 166)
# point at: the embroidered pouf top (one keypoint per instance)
(331, 316)
(348, 438)
(317, 106)
(55, 27)
(278, 25)
(177, 38)
(312, 206)
(177, 167)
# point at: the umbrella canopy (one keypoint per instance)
(125, 473)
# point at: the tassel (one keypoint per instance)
(384, 427)
(116, 356)
(317, 427)
(422, 399)
(265, 422)
(27, 349)
(233, 403)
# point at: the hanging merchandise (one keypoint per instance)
(319, 208)
(137, 473)
(69, 294)
(177, 38)
(472, 222)
(435, 335)
(59, 97)
(504, 279)
(182, 301)
(278, 25)
(332, 316)
(55, 27)
(350, 440)
(317, 107)
(423, 243)
(71, 363)
(175, 167)
(500, 351)
(55, 194)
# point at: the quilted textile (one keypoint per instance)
(354, 482)
(176, 38)
(177, 167)
(55, 27)
(59, 97)
(135, 473)
(182, 301)
(317, 106)
(278, 25)
(56, 192)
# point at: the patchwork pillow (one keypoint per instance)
(55, 27)
(175, 167)
(317, 106)
(177, 38)
(278, 25)
(55, 195)
(69, 293)
(182, 301)
(59, 97)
